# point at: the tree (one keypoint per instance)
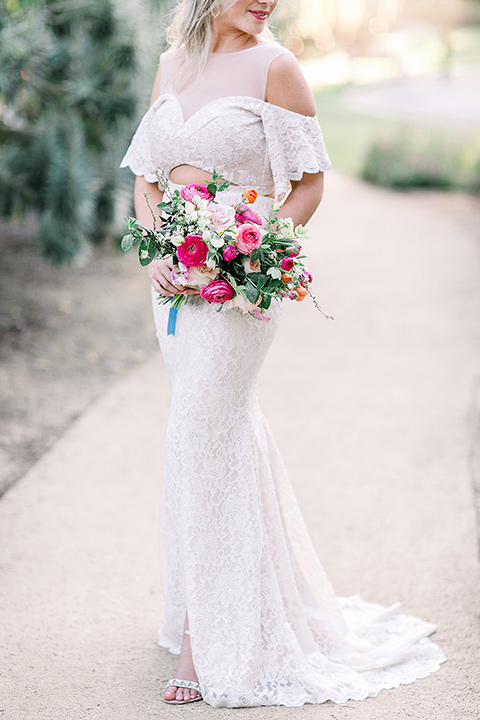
(67, 94)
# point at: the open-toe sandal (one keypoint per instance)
(190, 684)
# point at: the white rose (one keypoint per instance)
(201, 276)
(221, 216)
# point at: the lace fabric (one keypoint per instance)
(266, 627)
(249, 141)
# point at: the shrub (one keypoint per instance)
(67, 94)
(423, 158)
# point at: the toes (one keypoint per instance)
(170, 693)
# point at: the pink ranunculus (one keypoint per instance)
(218, 291)
(190, 192)
(229, 252)
(295, 252)
(287, 263)
(193, 251)
(243, 214)
(249, 238)
(221, 216)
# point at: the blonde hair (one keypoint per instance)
(190, 30)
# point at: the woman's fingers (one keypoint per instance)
(159, 272)
(156, 286)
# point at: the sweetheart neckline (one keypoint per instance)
(164, 96)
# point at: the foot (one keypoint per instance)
(186, 671)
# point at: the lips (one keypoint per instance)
(259, 15)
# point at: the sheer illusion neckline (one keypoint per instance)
(236, 52)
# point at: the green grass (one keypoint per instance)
(348, 134)
(398, 154)
(465, 42)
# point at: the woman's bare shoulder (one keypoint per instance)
(287, 87)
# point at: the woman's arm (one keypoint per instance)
(287, 88)
(158, 270)
(155, 195)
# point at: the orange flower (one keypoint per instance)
(301, 293)
(286, 278)
(250, 195)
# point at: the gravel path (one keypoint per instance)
(376, 415)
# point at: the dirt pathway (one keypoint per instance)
(65, 335)
(374, 416)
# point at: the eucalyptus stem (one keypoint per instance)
(145, 195)
(314, 300)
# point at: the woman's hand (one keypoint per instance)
(159, 272)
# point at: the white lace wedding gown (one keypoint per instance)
(266, 627)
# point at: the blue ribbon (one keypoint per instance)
(172, 320)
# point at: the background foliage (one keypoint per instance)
(67, 94)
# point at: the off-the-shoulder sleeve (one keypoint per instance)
(139, 153)
(295, 145)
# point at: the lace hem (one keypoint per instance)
(266, 627)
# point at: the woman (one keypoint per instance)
(248, 606)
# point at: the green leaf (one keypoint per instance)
(252, 293)
(262, 280)
(147, 251)
(127, 242)
(259, 279)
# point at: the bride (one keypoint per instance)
(248, 606)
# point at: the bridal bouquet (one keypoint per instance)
(227, 253)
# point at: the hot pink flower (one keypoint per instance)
(296, 252)
(249, 238)
(218, 291)
(287, 263)
(229, 252)
(243, 214)
(193, 251)
(189, 192)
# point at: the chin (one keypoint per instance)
(255, 28)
